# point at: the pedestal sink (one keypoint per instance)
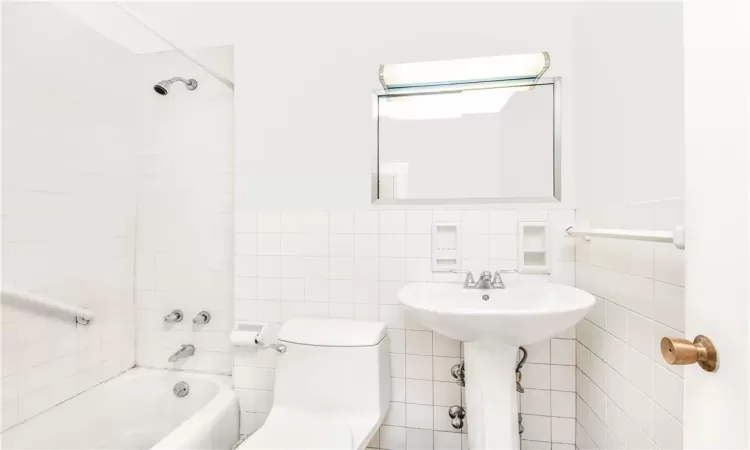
(493, 323)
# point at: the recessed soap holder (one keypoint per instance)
(446, 246)
(249, 334)
(533, 247)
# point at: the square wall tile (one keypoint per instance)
(419, 416)
(419, 222)
(419, 367)
(444, 346)
(367, 222)
(442, 368)
(446, 393)
(418, 342)
(563, 378)
(536, 376)
(563, 352)
(446, 441)
(396, 415)
(536, 428)
(419, 391)
(417, 439)
(563, 430)
(392, 438)
(562, 404)
(503, 222)
(341, 222)
(535, 401)
(392, 222)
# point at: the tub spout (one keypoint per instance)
(183, 352)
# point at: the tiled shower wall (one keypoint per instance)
(68, 206)
(350, 264)
(185, 214)
(627, 396)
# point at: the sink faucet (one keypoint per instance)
(184, 351)
(486, 279)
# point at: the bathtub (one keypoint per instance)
(137, 410)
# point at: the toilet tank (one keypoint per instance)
(333, 366)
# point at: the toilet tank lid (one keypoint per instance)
(332, 332)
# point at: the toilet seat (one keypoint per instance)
(291, 430)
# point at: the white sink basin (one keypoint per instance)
(492, 323)
(519, 315)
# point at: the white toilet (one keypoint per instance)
(332, 389)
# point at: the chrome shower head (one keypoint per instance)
(162, 87)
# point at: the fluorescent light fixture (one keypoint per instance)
(469, 70)
(447, 105)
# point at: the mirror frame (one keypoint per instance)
(556, 196)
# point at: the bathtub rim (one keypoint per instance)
(206, 418)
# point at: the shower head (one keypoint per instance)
(162, 87)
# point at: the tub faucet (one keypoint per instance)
(184, 351)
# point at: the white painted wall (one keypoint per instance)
(69, 144)
(305, 131)
(628, 110)
(185, 213)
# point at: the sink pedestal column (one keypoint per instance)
(491, 399)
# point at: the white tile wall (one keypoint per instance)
(627, 397)
(68, 206)
(351, 264)
(184, 256)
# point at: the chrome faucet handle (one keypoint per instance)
(469, 282)
(203, 317)
(497, 279)
(174, 316)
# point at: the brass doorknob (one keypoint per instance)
(678, 351)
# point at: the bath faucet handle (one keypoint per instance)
(469, 282)
(203, 317)
(174, 316)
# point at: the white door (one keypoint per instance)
(717, 95)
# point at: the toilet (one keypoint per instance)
(332, 388)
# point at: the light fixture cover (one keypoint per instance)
(469, 70)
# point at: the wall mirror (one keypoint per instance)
(472, 142)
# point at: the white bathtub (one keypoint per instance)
(137, 410)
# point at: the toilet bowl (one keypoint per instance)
(332, 386)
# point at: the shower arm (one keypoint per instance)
(184, 80)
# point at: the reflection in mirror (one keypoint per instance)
(489, 144)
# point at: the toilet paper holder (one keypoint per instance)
(253, 334)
